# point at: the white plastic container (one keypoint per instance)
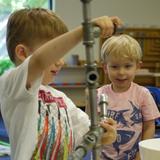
(150, 149)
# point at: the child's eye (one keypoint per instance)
(114, 66)
(128, 66)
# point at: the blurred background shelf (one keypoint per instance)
(71, 80)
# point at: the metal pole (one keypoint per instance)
(92, 139)
(92, 75)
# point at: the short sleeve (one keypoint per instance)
(18, 77)
(149, 107)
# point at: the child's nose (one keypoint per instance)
(121, 71)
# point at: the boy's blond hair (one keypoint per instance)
(121, 46)
(31, 26)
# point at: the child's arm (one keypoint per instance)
(147, 132)
(148, 129)
(55, 49)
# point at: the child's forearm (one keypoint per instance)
(148, 130)
(138, 156)
(56, 48)
(147, 133)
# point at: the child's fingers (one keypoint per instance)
(110, 121)
(116, 20)
(109, 125)
(111, 25)
(111, 134)
(106, 25)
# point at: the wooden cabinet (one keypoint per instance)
(149, 40)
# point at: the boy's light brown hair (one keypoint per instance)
(121, 46)
(32, 26)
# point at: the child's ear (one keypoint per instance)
(21, 52)
(105, 68)
(139, 64)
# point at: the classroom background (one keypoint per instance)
(141, 20)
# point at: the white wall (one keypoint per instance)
(140, 13)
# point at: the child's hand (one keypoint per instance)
(107, 24)
(110, 135)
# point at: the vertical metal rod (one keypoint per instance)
(91, 69)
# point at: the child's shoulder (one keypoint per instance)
(6, 76)
(139, 89)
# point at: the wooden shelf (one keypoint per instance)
(68, 86)
(76, 90)
(144, 79)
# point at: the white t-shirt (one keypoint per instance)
(130, 109)
(41, 122)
